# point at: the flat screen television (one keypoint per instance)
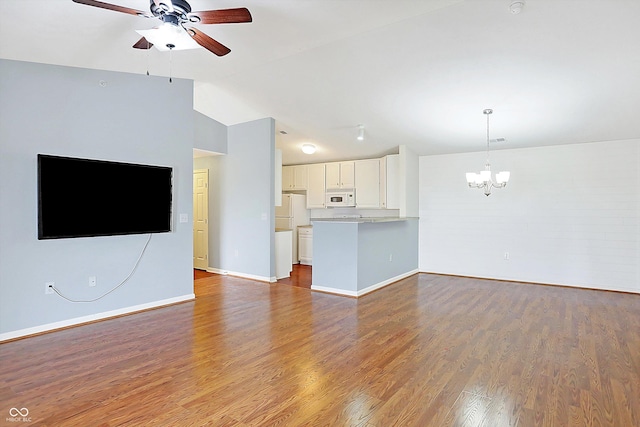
(83, 197)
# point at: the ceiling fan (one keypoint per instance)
(175, 14)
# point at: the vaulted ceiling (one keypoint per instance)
(413, 72)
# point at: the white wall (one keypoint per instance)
(65, 111)
(570, 215)
(409, 182)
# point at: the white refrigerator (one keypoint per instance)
(291, 214)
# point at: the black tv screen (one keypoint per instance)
(83, 197)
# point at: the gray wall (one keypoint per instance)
(353, 258)
(209, 134)
(241, 201)
(386, 250)
(66, 111)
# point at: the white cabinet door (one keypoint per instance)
(300, 177)
(347, 175)
(294, 177)
(332, 174)
(390, 181)
(367, 183)
(287, 178)
(315, 186)
(305, 245)
(339, 175)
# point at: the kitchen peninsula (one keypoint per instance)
(355, 256)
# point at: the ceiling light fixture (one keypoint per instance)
(308, 148)
(483, 179)
(360, 132)
(169, 37)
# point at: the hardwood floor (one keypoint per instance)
(427, 351)
(300, 276)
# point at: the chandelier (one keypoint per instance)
(483, 179)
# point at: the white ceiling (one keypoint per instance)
(414, 72)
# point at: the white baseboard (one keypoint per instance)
(242, 275)
(366, 290)
(570, 285)
(334, 291)
(93, 317)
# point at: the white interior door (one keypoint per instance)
(201, 219)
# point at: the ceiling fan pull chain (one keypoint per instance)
(148, 53)
(170, 46)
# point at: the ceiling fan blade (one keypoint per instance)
(143, 44)
(222, 16)
(207, 42)
(114, 7)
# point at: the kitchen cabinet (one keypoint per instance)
(305, 245)
(390, 182)
(367, 183)
(294, 177)
(340, 175)
(283, 239)
(315, 186)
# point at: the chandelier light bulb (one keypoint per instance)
(483, 179)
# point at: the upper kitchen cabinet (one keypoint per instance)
(294, 177)
(390, 182)
(315, 186)
(367, 183)
(340, 175)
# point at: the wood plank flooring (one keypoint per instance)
(429, 350)
(300, 276)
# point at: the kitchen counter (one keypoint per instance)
(354, 256)
(363, 219)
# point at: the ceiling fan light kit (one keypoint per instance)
(175, 14)
(483, 179)
(167, 37)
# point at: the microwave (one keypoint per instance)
(339, 198)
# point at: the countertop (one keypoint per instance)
(362, 220)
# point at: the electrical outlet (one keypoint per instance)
(48, 287)
(92, 281)
(506, 256)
